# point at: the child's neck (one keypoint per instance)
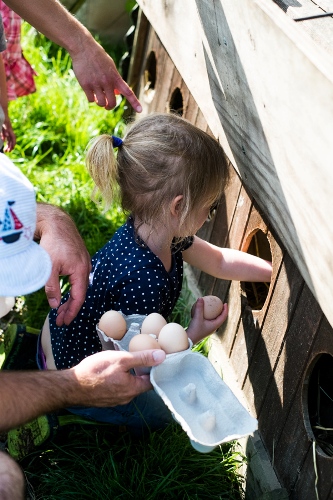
(159, 241)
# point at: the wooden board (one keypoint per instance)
(266, 91)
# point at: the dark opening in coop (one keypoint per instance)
(256, 293)
(320, 402)
(150, 77)
(176, 102)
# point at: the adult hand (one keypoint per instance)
(93, 67)
(99, 78)
(59, 236)
(104, 379)
(8, 136)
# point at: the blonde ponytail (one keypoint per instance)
(101, 164)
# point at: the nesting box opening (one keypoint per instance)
(256, 293)
(176, 104)
(319, 398)
(150, 77)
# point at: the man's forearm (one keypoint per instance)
(25, 395)
(64, 28)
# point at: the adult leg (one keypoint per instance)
(12, 483)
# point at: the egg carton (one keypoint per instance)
(133, 323)
(204, 406)
(199, 400)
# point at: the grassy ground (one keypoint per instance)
(53, 128)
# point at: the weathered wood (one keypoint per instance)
(140, 40)
(282, 394)
(305, 486)
(273, 327)
(249, 333)
(267, 92)
(296, 438)
(229, 328)
(319, 29)
(219, 232)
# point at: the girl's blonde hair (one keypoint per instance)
(162, 156)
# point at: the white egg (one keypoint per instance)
(173, 338)
(113, 325)
(153, 324)
(142, 342)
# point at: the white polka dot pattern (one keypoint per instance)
(126, 276)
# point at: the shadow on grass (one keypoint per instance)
(101, 463)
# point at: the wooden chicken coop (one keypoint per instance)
(258, 75)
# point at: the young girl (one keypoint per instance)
(168, 175)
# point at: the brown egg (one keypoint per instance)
(113, 325)
(153, 324)
(213, 306)
(142, 342)
(173, 338)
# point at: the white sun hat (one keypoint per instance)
(24, 265)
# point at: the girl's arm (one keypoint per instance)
(226, 263)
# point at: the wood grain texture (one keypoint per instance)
(266, 91)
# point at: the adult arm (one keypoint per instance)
(93, 67)
(59, 236)
(103, 379)
(226, 263)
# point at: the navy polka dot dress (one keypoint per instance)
(126, 276)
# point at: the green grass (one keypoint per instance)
(100, 464)
(53, 127)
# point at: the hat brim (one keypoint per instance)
(25, 272)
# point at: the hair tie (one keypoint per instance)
(116, 141)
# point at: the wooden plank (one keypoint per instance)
(296, 438)
(227, 331)
(139, 47)
(250, 339)
(191, 109)
(288, 373)
(305, 486)
(265, 90)
(273, 321)
(320, 29)
(219, 234)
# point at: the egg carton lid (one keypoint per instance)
(200, 400)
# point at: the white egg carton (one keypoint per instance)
(199, 400)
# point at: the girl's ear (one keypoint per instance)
(175, 205)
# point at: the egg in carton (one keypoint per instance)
(200, 401)
(115, 329)
(136, 332)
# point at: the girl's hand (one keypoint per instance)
(199, 327)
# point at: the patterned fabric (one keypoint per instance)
(19, 73)
(126, 276)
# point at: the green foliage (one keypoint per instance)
(103, 464)
(53, 127)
